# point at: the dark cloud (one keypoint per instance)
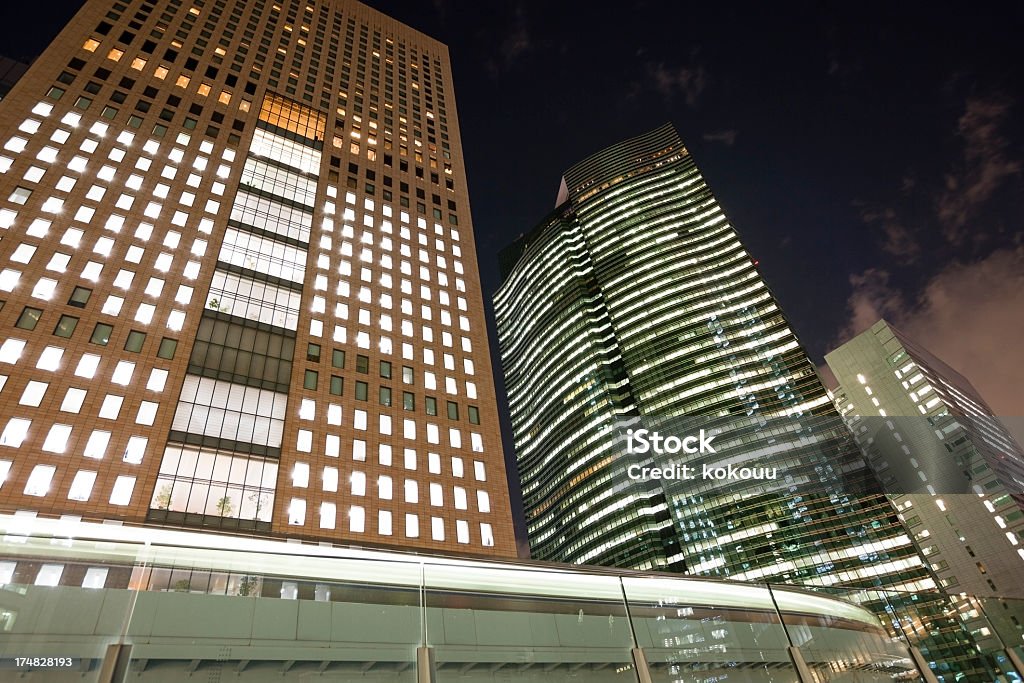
(984, 167)
(670, 82)
(727, 137)
(873, 297)
(513, 46)
(897, 238)
(517, 41)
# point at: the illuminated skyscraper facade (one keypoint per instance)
(635, 299)
(239, 280)
(952, 469)
(634, 304)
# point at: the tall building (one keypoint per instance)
(638, 296)
(952, 469)
(239, 283)
(635, 305)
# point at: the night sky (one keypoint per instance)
(870, 155)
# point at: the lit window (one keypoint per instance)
(147, 413)
(11, 350)
(384, 523)
(297, 512)
(95, 577)
(16, 145)
(478, 471)
(81, 486)
(135, 450)
(157, 380)
(123, 373)
(384, 487)
(38, 483)
(96, 446)
(462, 531)
(52, 205)
(121, 494)
(57, 438)
(411, 491)
(330, 479)
(486, 534)
(307, 409)
(15, 432)
(300, 475)
(49, 574)
(437, 528)
(59, 262)
(9, 279)
(358, 482)
(328, 515)
(356, 519)
(111, 407)
(112, 306)
(73, 400)
(176, 320)
(33, 394)
(145, 313)
(412, 526)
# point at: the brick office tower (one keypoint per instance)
(239, 282)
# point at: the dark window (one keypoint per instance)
(474, 415)
(66, 326)
(431, 405)
(167, 348)
(453, 410)
(135, 341)
(29, 318)
(362, 364)
(337, 385)
(101, 334)
(313, 353)
(338, 358)
(385, 369)
(310, 379)
(384, 394)
(79, 297)
(361, 389)
(408, 400)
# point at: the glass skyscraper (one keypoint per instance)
(636, 299)
(635, 305)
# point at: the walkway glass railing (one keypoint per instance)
(102, 603)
